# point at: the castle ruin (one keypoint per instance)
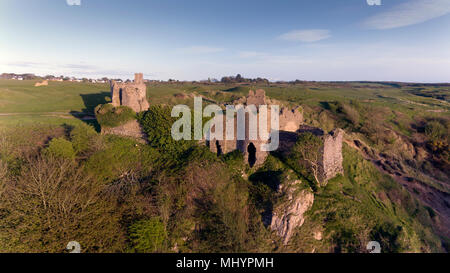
(291, 126)
(330, 159)
(131, 94)
(290, 120)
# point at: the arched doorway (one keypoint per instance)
(219, 148)
(251, 154)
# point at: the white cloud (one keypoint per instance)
(410, 13)
(73, 2)
(306, 35)
(200, 50)
(251, 54)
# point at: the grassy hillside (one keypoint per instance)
(395, 189)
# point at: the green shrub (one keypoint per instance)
(199, 154)
(121, 156)
(157, 124)
(234, 159)
(148, 236)
(110, 116)
(82, 137)
(388, 235)
(305, 156)
(435, 131)
(351, 114)
(61, 148)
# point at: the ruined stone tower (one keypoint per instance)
(133, 95)
(290, 120)
(331, 159)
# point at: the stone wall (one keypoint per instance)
(249, 148)
(256, 98)
(133, 95)
(290, 121)
(332, 158)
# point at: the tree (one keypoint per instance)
(149, 236)
(307, 153)
(52, 202)
(60, 148)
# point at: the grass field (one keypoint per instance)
(366, 202)
(61, 102)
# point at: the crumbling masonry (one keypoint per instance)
(133, 94)
(331, 159)
(291, 125)
(290, 120)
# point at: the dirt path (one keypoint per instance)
(81, 116)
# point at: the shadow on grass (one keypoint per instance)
(87, 115)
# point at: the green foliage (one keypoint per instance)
(122, 156)
(199, 154)
(265, 183)
(305, 156)
(389, 236)
(149, 236)
(235, 160)
(350, 113)
(365, 205)
(157, 124)
(434, 130)
(110, 116)
(305, 141)
(83, 137)
(60, 148)
(228, 224)
(201, 202)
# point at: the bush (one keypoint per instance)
(51, 202)
(305, 157)
(121, 156)
(434, 130)
(199, 154)
(234, 159)
(82, 137)
(388, 234)
(148, 236)
(157, 124)
(110, 116)
(351, 114)
(60, 148)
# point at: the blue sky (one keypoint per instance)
(192, 40)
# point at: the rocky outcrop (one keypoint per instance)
(290, 215)
(133, 95)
